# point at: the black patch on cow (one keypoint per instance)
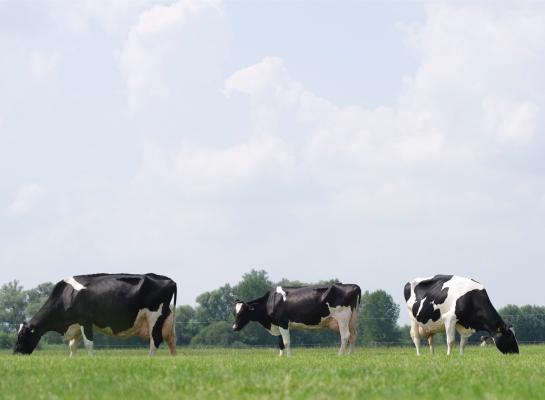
(428, 293)
(88, 331)
(281, 343)
(407, 291)
(474, 310)
(157, 334)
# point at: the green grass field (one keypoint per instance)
(374, 373)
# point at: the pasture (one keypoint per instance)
(370, 373)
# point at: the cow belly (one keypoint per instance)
(431, 327)
(327, 322)
(465, 331)
(140, 326)
(72, 332)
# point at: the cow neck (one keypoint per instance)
(44, 321)
(492, 321)
(259, 314)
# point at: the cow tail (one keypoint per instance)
(355, 312)
(174, 309)
(358, 299)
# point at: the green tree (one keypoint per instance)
(528, 321)
(12, 312)
(216, 305)
(378, 316)
(36, 298)
(404, 335)
(187, 324)
(12, 306)
(253, 285)
(216, 334)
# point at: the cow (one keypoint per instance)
(309, 307)
(449, 303)
(120, 305)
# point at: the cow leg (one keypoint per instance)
(73, 346)
(344, 330)
(281, 345)
(463, 341)
(169, 334)
(87, 333)
(72, 335)
(155, 337)
(353, 327)
(430, 344)
(352, 340)
(415, 336)
(450, 330)
(286, 338)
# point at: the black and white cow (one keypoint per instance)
(446, 303)
(311, 307)
(121, 305)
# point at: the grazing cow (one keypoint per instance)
(121, 305)
(446, 303)
(311, 307)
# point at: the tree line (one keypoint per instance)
(209, 322)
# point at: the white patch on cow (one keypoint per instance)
(280, 291)
(421, 305)
(274, 330)
(286, 339)
(342, 314)
(20, 327)
(75, 284)
(238, 306)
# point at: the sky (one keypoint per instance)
(373, 142)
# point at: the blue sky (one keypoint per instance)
(369, 141)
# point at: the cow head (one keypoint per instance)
(27, 339)
(243, 314)
(505, 340)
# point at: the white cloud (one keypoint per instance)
(27, 197)
(472, 97)
(267, 78)
(210, 170)
(154, 42)
(42, 63)
(510, 121)
(77, 17)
